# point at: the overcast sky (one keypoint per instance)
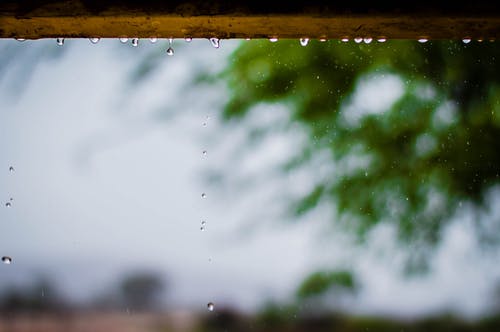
(108, 178)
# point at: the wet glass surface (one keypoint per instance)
(284, 185)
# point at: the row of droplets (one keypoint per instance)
(368, 40)
(215, 42)
(210, 305)
(7, 259)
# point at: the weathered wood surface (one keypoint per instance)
(32, 19)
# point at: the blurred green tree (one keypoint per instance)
(409, 163)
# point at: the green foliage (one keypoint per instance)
(433, 148)
(320, 282)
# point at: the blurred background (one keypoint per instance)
(259, 186)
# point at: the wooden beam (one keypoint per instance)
(33, 19)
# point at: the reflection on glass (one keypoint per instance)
(349, 186)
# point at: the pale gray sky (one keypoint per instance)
(103, 185)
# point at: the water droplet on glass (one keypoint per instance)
(20, 39)
(273, 39)
(60, 41)
(210, 306)
(94, 40)
(203, 195)
(204, 152)
(204, 124)
(345, 40)
(6, 260)
(11, 169)
(170, 50)
(304, 41)
(123, 40)
(215, 42)
(423, 40)
(203, 222)
(8, 204)
(466, 40)
(153, 40)
(367, 40)
(358, 40)
(11, 199)
(382, 40)
(188, 39)
(202, 228)
(135, 42)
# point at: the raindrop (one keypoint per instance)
(60, 41)
(203, 195)
(382, 40)
(273, 39)
(188, 39)
(203, 222)
(153, 40)
(11, 169)
(204, 152)
(358, 40)
(367, 40)
(204, 124)
(304, 41)
(94, 40)
(215, 42)
(210, 306)
(202, 228)
(423, 40)
(466, 40)
(8, 204)
(345, 39)
(20, 39)
(7, 260)
(135, 42)
(170, 50)
(123, 40)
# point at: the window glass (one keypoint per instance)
(206, 185)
